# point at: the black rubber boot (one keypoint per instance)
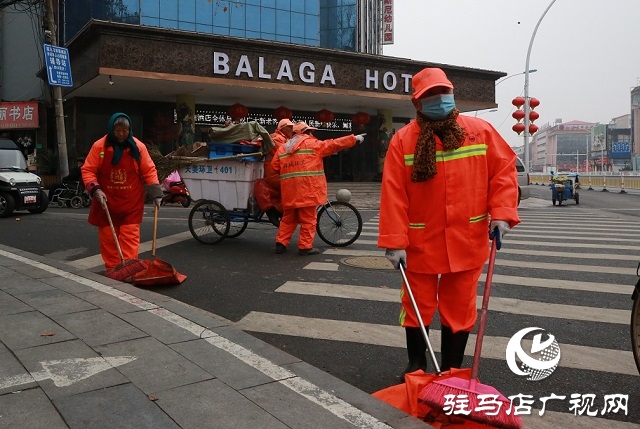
(452, 348)
(416, 350)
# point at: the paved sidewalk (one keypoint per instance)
(79, 350)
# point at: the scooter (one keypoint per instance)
(177, 193)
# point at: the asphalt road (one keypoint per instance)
(567, 269)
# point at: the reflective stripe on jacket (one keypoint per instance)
(299, 162)
(442, 223)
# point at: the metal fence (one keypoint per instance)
(623, 181)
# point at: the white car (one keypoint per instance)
(523, 181)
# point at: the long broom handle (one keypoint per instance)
(155, 230)
(113, 231)
(475, 366)
(420, 322)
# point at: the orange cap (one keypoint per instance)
(301, 127)
(428, 78)
(284, 123)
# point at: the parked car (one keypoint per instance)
(19, 189)
(523, 181)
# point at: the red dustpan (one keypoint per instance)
(435, 394)
(157, 272)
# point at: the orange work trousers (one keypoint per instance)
(306, 217)
(452, 294)
(129, 239)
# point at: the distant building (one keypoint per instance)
(562, 146)
(619, 143)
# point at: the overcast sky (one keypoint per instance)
(586, 52)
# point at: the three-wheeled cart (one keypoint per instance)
(222, 189)
(564, 187)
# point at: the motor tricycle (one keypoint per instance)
(564, 187)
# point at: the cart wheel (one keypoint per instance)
(635, 327)
(577, 198)
(339, 224)
(60, 202)
(209, 222)
(553, 200)
(237, 224)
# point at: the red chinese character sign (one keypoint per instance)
(387, 22)
(19, 115)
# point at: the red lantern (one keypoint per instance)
(533, 116)
(360, 119)
(533, 103)
(532, 129)
(325, 116)
(518, 115)
(282, 113)
(518, 101)
(237, 112)
(518, 128)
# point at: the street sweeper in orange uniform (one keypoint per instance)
(448, 179)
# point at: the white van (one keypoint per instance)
(523, 181)
(19, 189)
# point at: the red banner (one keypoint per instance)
(16, 115)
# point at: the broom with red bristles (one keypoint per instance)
(125, 270)
(480, 396)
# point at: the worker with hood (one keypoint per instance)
(303, 184)
(115, 174)
(267, 190)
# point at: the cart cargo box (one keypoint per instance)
(228, 181)
(219, 150)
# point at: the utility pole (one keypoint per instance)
(63, 160)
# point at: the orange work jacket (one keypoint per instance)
(299, 162)
(443, 222)
(271, 176)
(123, 184)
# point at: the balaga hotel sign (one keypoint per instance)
(310, 73)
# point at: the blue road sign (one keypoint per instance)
(58, 65)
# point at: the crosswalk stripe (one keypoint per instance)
(509, 263)
(504, 305)
(544, 232)
(566, 237)
(625, 289)
(573, 356)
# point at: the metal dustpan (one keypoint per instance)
(157, 271)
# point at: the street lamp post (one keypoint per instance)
(526, 90)
(513, 75)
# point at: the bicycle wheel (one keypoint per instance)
(209, 222)
(237, 224)
(339, 224)
(635, 327)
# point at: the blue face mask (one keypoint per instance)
(438, 106)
